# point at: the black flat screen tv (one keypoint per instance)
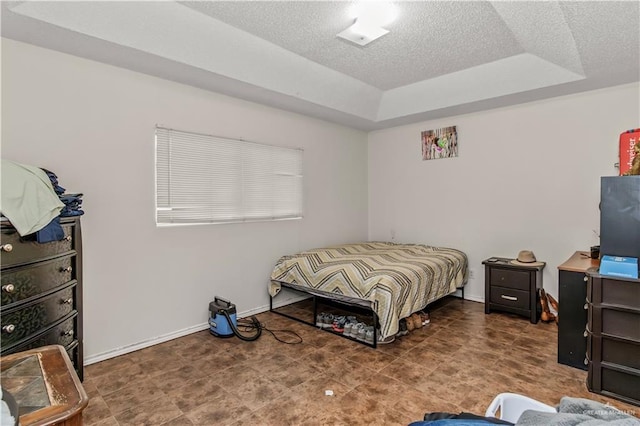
(620, 216)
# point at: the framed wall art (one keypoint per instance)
(440, 143)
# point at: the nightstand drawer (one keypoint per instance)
(510, 278)
(510, 297)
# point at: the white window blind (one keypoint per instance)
(207, 179)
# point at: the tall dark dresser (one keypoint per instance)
(42, 291)
(613, 337)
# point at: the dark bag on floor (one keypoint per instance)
(465, 419)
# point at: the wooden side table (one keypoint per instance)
(512, 288)
(45, 385)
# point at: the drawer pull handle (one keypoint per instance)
(68, 333)
(509, 298)
(586, 333)
(6, 247)
(68, 238)
(586, 278)
(9, 328)
(67, 301)
(67, 269)
(8, 288)
(586, 361)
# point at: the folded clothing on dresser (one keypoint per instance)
(28, 198)
(33, 201)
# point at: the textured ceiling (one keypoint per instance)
(419, 47)
(440, 58)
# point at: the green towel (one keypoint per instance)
(27, 197)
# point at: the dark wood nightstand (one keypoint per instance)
(512, 288)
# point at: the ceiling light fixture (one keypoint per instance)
(370, 17)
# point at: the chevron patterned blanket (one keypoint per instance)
(398, 279)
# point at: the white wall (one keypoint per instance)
(93, 125)
(528, 177)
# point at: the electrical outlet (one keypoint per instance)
(472, 274)
(393, 234)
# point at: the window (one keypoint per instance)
(206, 179)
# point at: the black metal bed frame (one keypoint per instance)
(350, 304)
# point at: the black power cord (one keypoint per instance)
(247, 325)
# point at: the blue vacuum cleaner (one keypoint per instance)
(223, 321)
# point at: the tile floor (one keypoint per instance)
(459, 362)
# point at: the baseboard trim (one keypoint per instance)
(474, 298)
(144, 344)
(180, 333)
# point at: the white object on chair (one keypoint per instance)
(512, 405)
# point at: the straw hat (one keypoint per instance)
(526, 258)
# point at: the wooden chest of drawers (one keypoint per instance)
(512, 288)
(613, 337)
(41, 291)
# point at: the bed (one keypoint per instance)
(395, 280)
